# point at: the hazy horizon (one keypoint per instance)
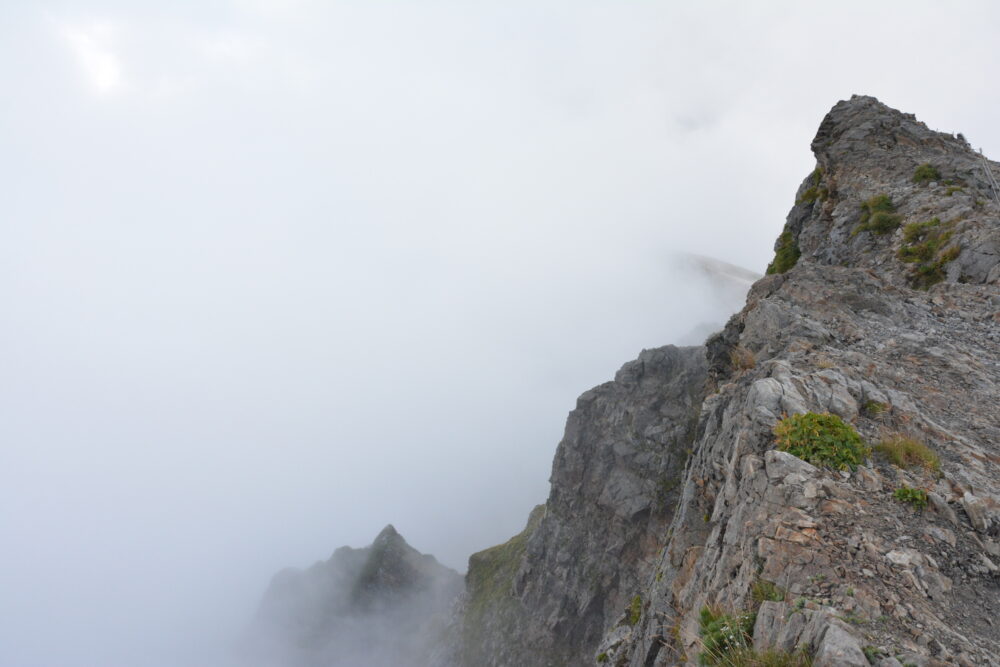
(279, 273)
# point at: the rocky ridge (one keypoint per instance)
(668, 495)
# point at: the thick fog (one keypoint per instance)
(276, 273)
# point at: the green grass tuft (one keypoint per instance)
(635, 610)
(916, 497)
(878, 216)
(764, 591)
(747, 657)
(926, 173)
(925, 245)
(874, 408)
(786, 254)
(815, 191)
(822, 440)
(723, 634)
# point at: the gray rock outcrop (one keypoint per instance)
(548, 595)
(668, 497)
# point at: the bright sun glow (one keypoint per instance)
(91, 46)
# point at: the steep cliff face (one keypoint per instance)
(671, 508)
(547, 596)
(384, 605)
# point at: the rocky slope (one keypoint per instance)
(669, 497)
(382, 606)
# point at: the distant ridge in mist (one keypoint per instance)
(383, 605)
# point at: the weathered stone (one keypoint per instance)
(839, 648)
(869, 479)
(943, 508)
(781, 465)
(941, 535)
(888, 662)
(977, 511)
(905, 557)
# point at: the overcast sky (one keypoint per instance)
(276, 273)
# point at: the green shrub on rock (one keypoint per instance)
(926, 173)
(915, 497)
(925, 244)
(877, 216)
(821, 439)
(786, 254)
(815, 191)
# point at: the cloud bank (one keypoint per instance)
(276, 274)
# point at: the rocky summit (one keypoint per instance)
(818, 484)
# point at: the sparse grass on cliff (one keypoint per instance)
(741, 358)
(925, 244)
(764, 591)
(922, 240)
(926, 173)
(878, 216)
(635, 610)
(727, 641)
(906, 452)
(750, 658)
(815, 191)
(786, 254)
(821, 439)
(723, 634)
(874, 408)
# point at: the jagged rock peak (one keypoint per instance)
(384, 604)
(389, 537)
(890, 195)
(864, 115)
(387, 533)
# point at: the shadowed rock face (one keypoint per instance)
(384, 605)
(547, 596)
(896, 336)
